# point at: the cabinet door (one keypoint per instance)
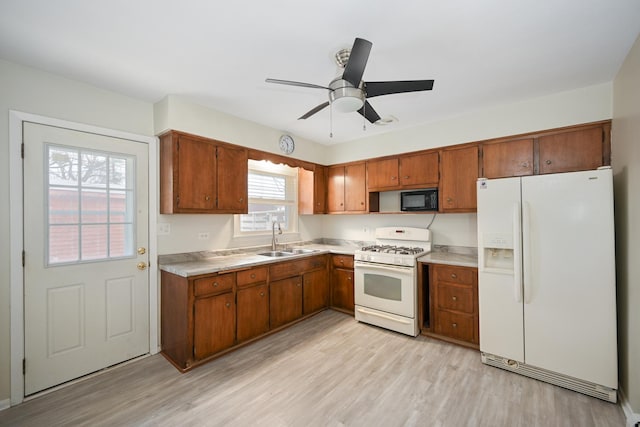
(253, 312)
(382, 174)
(214, 324)
(458, 181)
(320, 190)
(507, 158)
(342, 289)
(196, 175)
(232, 179)
(355, 188)
(572, 151)
(419, 170)
(315, 291)
(285, 301)
(335, 189)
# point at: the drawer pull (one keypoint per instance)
(228, 304)
(253, 275)
(349, 278)
(455, 298)
(215, 284)
(548, 162)
(341, 261)
(454, 276)
(455, 325)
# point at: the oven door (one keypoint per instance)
(387, 288)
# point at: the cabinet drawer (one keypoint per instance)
(255, 275)
(454, 325)
(460, 275)
(454, 297)
(214, 284)
(283, 270)
(342, 261)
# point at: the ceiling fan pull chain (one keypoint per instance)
(364, 116)
(330, 120)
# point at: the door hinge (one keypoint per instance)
(22, 150)
(23, 258)
(24, 366)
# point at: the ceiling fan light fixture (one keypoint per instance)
(344, 97)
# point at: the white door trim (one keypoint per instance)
(16, 234)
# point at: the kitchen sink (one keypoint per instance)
(276, 253)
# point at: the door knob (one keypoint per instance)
(142, 251)
(142, 265)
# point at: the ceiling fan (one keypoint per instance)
(348, 92)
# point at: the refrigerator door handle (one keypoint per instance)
(526, 251)
(517, 253)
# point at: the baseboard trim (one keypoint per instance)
(5, 404)
(633, 418)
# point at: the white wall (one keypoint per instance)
(626, 168)
(174, 112)
(584, 105)
(32, 91)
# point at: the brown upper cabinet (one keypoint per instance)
(312, 190)
(347, 188)
(507, 158)
(580, 149)
(403, 172)
(200, 175)
(459, 167)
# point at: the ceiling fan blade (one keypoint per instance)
(292, 83)
(369, 113)
(357, 61)
(386, 88)
(313, 111)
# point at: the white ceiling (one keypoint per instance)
(218, 53)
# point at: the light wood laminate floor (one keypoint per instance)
(325, 371)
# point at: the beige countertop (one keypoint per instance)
(452, 255)
(198, 263)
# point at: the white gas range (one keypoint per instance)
(386, 278)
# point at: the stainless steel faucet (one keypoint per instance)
(273, 234)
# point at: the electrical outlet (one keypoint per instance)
(203, 235)
(164, 228)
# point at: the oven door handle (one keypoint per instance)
(373, 313)
(372, 266)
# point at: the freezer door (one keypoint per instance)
(569, 275)
(499, 268)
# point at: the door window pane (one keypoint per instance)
(92, 194)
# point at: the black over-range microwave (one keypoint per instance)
(422, 200)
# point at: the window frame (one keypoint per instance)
(291, 179)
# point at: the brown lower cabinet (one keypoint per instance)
(342, 282)
(252, 312)
(453, 301)
(205, 316)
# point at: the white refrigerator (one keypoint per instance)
(546, 279)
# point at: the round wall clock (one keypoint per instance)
(286, 144)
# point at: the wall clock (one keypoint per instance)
(286, 144)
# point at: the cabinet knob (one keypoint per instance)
(261, 294)
(215, 284)
(349, 278)
(548, 162)
(362, 203)
(253, 275)
(206, 198)
(340, 204)
(393, 178)
(525, 164)
(228, 304)
(453, 275)
(406, 177)
(455, 298)
(298, 284)
(454, 325)
(241, 199)
(449, 199)
(341, 261)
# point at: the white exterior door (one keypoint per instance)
(86, 281)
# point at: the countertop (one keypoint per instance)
(198, 263)
(452, 255)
